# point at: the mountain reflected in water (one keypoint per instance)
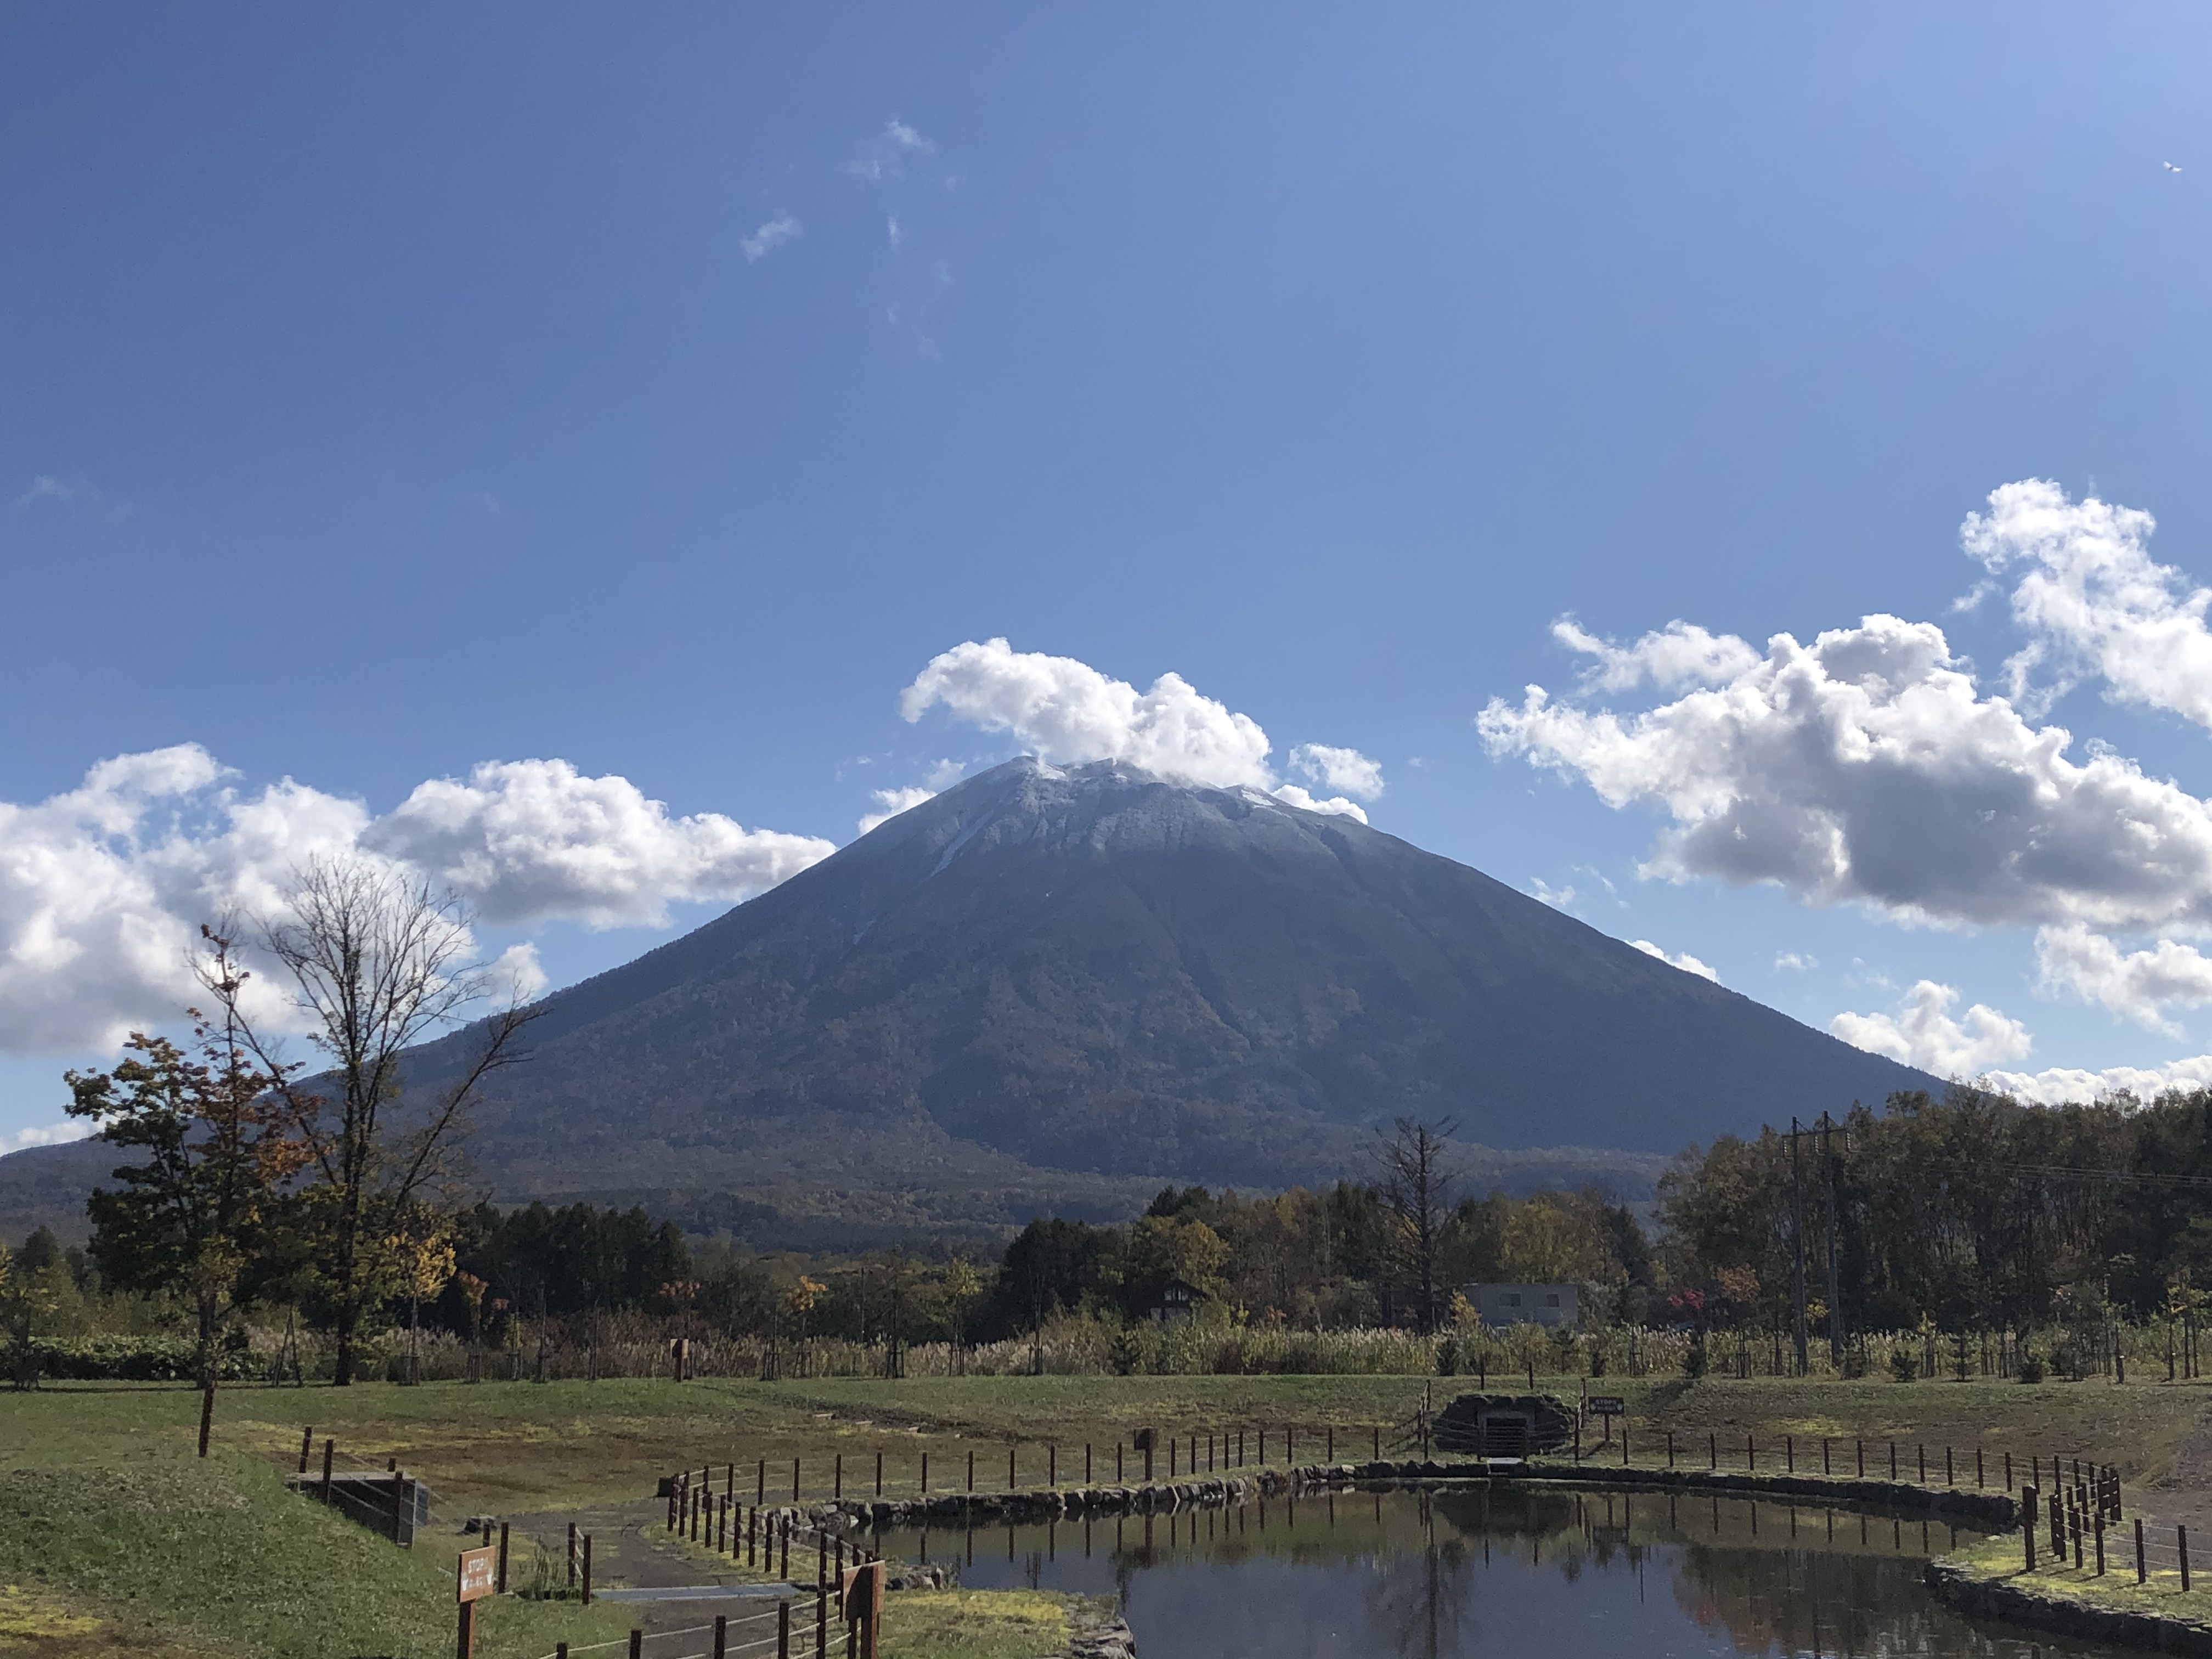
(1481, 1570)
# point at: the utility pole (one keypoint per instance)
(1797, 1241)
(1835, 1293)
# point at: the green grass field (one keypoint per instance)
(113, 1534)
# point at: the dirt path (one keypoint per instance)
(634, 1555)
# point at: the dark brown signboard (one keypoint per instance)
(860, 1593)
(479, 1570)
(1607, 1405)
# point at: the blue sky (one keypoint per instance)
(395, 391)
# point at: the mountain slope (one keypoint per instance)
(1097, 970)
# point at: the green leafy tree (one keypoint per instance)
(963, 1286)
(201, 1208)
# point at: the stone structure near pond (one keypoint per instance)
(1504, 1425)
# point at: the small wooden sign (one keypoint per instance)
(1607, 1405)
(860, 1593)
(480, 1571)
(861, 1600)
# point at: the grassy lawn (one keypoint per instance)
(127, 1539)
(2003, 1557)
(106, 1517)
(977, 1624)
(506, 1448)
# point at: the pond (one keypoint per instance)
(1464, 1570)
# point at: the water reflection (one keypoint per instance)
(1476, 1570)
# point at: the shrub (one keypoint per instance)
(2031, 1365)
(112, 1358)
(1693, 1357)
(1902, 1366)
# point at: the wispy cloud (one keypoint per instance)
(48, 490)
(885, 155)
(771, 236)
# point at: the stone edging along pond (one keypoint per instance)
(1994, 1510)
(2017, 1601)
(1967, 1590)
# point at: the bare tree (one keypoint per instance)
(1418, 1170)
(379, 961)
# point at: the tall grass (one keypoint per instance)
(642, 1346)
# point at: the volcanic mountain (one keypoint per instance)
(1053, 989)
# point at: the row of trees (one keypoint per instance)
(1968, 1212)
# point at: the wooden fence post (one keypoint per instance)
(879, 1474)
(794, 1480)
(783, 1630)
(499, 1582)
(588, 1569)
(636, 1642)
(307, 1445)
(2181, 1543)
(721, 1635)
(2028, 1522)
(329, 1447)
(2142, 1571)
(572, 1555)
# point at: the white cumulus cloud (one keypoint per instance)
(2078, 964)
(1345, 770)
(1867, 767)
(1684, 961)
(46, 1134)
(1336, 806)
(103, 888)
(770, 236)
(1920, 1032)
(892, 802)
(1066, 711)
(2092, 603)
(2065, 1083)
(526, 840)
